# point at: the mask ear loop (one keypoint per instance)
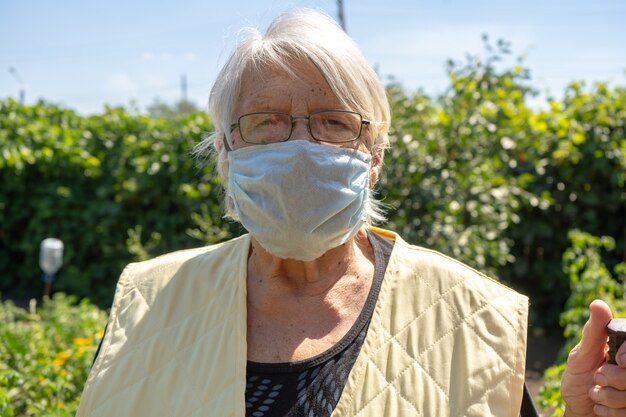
(225, 142)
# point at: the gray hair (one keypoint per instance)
(299, 34)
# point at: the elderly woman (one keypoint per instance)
(316, 312)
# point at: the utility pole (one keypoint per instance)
(342, 20)
(22, 93)
(183, 88)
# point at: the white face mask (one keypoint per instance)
(298, 198)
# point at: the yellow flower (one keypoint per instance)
(61, 357)
(82, 341)
(40, 378)
(64, 354)
(99, 334)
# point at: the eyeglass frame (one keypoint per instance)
(364, 122)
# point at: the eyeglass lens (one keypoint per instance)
(327, 126)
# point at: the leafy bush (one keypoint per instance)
(590, 278)
(449, 175)
(475, 173)
(478, 174)
(577, 163)
(46, 355)
(107, 185)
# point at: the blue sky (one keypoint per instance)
(84, 54)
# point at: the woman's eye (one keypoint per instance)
(266, 122)
(335, 123)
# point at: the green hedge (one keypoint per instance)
(578, 162)
(46, 354)
(480, 175)
(589, 279)
(475, 173)
(111, 186)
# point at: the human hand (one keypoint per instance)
(590, 386)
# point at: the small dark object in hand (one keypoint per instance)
(617, 334)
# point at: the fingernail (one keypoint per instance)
(621, 360)
(600, 379)
(594, 393)
(600, 410)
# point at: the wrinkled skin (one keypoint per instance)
(591, 386)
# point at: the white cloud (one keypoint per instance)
(121, 83)
(147, 56)
(190, 56)
(416, 56)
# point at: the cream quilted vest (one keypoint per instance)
(444, 340)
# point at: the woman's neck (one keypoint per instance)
(290, 277)
(298, 309)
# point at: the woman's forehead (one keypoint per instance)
(267, 87)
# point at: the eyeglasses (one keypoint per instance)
(334, 126)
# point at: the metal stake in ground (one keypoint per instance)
(50, 261)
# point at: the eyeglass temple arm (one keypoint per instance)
(225, 142)
(225, 139)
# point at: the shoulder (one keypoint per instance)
(208, 264)
(443, 274)
(437, 264)
(175, 260)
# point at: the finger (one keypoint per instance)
(611, 376)
(620, 356)
(608, 396)
(604, 411)
(593, 342)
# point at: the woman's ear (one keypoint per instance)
(376, 165)
(222, 158)
(219, 143)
